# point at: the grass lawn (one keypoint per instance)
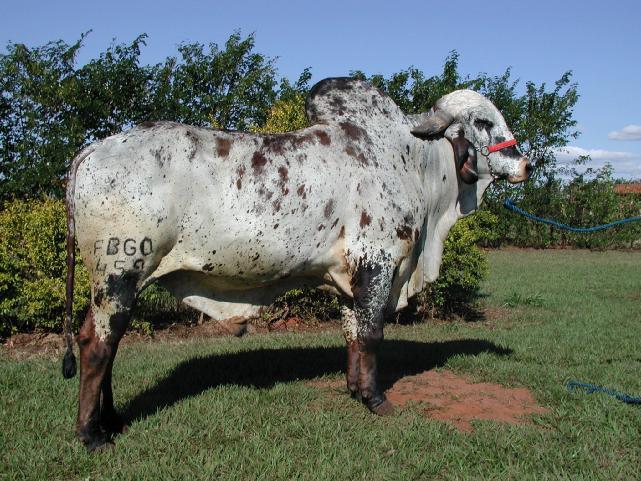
(243, 409)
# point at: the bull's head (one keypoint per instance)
(478, 141)
(472, 124)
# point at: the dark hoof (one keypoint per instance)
(241, 331)
(100, 445)
(97, 442)
(356, 395)
(382, 408)
(113, 423)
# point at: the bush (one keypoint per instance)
(463, 269)
(285, 115)
(33, 274)
(312, 305)
(156, 306)
(33, 267)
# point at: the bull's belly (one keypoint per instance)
(214, 297)
(240, 279)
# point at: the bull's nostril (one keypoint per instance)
(528, 168)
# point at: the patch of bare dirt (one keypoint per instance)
(27, 345)
(23, 346)
(457, 399)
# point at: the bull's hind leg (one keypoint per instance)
(98, 339)
(371, 285)
(110, 420)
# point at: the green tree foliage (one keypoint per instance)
(288, 112)
(32, 140)
(33, 274)
(50, 108)
(415, 93)
(232, 87)
(285, 115)
(583, 200)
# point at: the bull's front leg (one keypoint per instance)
(371, 285)
(353, 352)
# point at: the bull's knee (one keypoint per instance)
(370, 340)
(350, 332)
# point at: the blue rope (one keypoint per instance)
(591, 388)
(572, 385)
(508, 204)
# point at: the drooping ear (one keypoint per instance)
(465, 158)
(434, 125)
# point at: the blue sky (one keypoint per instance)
(599, 41)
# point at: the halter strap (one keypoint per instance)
(488, 149)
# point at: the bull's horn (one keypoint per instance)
(434, 125)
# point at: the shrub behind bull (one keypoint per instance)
(359, 203)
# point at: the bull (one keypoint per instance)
(359, 204)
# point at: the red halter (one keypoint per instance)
(488, 149)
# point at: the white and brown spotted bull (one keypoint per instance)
(359, 203)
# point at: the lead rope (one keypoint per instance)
(573, 385)
(592, 388)
(509, 204)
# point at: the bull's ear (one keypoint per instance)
(434, 125)
(468, 171)
(465, 158)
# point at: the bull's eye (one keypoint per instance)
(483, 124)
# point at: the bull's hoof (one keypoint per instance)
(98, 445)
(381, 408)
(112, 423)
(355, 394)
(97, 442)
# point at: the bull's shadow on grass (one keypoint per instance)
(263, 368)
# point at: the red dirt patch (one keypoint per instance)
(459, 400)
(35, 344)
(24, 346)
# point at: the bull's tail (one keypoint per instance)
(69, 360)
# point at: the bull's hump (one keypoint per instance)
(348, 99)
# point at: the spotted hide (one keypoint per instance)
(358, 204)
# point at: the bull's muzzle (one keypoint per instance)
(524, 171)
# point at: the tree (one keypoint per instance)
(32, 137)
(232, 88)
(51, 109)
(288, 112)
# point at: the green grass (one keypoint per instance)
(241, 408)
